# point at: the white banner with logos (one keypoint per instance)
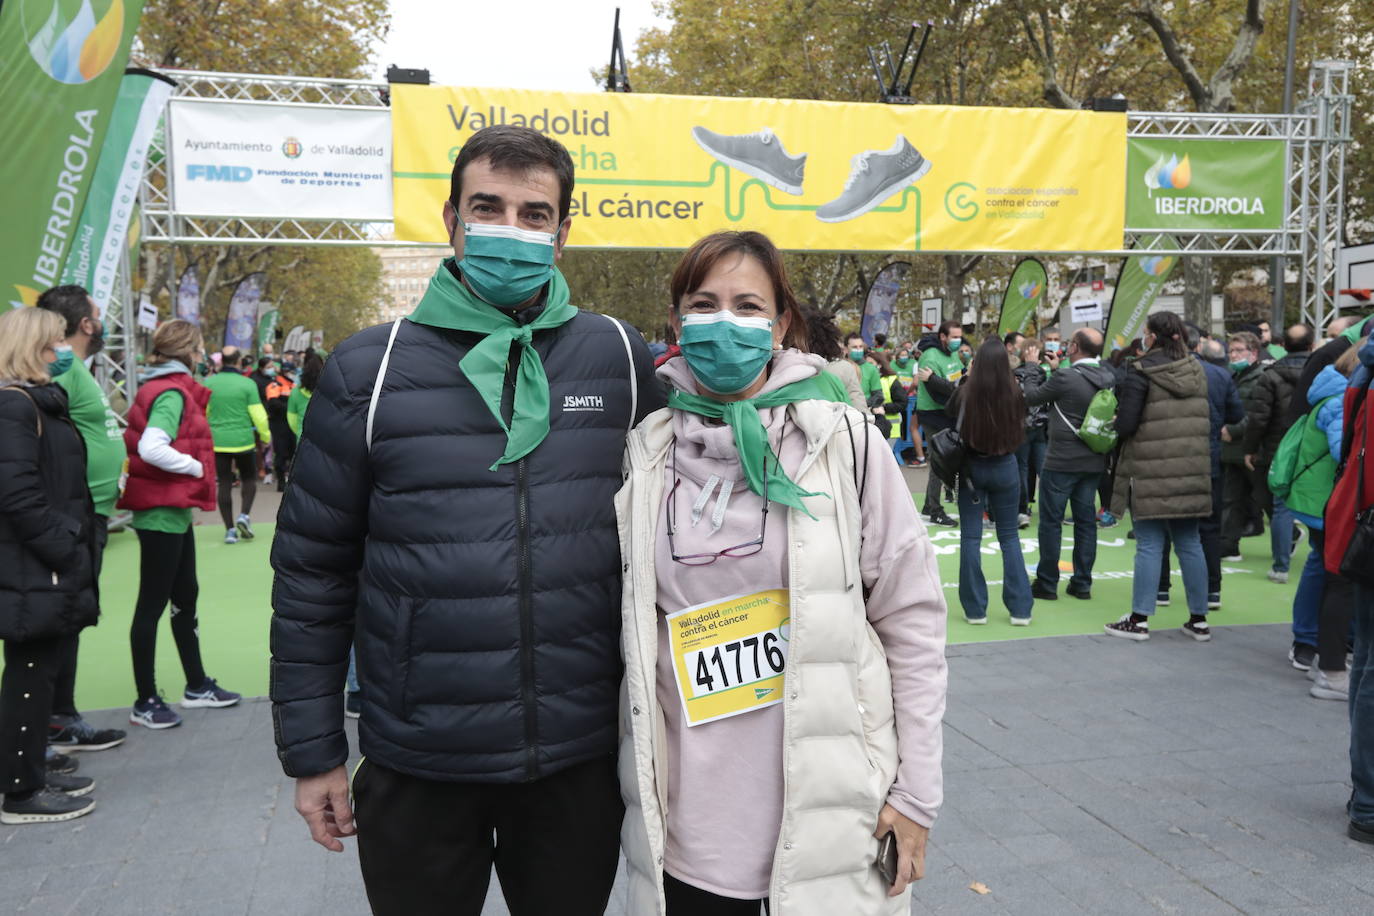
(258, 160)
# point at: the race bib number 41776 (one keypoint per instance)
(729, 655)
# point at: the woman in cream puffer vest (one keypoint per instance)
(783, 623)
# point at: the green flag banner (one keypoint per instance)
(1190, 184)
(1142, 277)
(267, 328)
(61, 62)
(99, 236)
(1025, 294)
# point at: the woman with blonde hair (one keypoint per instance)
(171, 473)
(783, 623)
(47, 563)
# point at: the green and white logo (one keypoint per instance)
(1192, 184)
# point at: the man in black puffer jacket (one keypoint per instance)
(450, 514)
(1266, 420)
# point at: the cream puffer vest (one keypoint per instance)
(839, 735)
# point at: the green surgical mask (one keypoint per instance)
(954, 344)
(504, 265)
(725, 352)
(64, 361)
(1240, 365)
(856, 355)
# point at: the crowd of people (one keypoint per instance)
(193, 424)
(540, 568)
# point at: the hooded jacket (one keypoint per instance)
(1233, 452)
(47, 556)
(1323, 356)
(483, 604)
(1266, 413)
(1067, 393)
(1307, 492)
(1163, 419)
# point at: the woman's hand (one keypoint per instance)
(911, 846)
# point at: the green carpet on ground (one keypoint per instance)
(236, 582)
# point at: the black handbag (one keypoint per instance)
(946, 452)
(1357, 563)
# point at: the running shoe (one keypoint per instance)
(1331, 685)
(1129, 628)
(231, 536)
(1162, 599)
(759, 154)
(46, 806)
(74, 786)
(1023, 521)
(1302, 656)
(244, 526)
(874, 176)
(208, 695)
(353, 704)
(154, 713)
(1279, 576)
(975, 621)
(1198, 629)
(1233, 557)
(60, 763)
(76, 734)
(1106, 520)
(941, 518)
(1214, 601)
(1020, 621)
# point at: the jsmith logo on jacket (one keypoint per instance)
(575, 403)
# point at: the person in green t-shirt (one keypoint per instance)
(235, 411)
(106, 463)
(869, 379)
(300, 395)
(938, 369)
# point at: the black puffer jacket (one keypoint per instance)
(484, 605)
(1266, 410)
(46, 519)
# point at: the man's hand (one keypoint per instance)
(911, 846)
(1053, 359)
(1250, 462)
(924, 374)
(323, 801)
(1225, 434)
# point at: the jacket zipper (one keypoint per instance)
(522, 514)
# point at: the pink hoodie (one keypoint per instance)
(725, 777)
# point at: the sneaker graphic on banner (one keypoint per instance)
(759, 154)
(874, 176)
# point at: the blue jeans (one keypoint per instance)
(1058, 488)
(1030, 456)
(352, 685)
(1362, 710)
(1149, 556)
(1307, 602)
(991, 484)
(1281, 535)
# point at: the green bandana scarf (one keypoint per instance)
(449, 304)
(751, 439)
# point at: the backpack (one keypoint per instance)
(1303, 450)
(1098, 429)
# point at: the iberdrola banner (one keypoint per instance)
(1024, 295)
(660, 171)
(61, 62)
(99, 237)
(1142, 277)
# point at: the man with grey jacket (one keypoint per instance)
(1072, 471)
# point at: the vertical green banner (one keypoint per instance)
(1182, 184)
(1025, 294)
(1142, 277)
(267, 328)
(61, 62)
(99, 237)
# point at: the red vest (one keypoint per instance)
(153, 488)
(1344, 504)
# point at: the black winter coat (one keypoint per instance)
(1068, 391)
(1266, 410)
(484, 605)
(47, 549)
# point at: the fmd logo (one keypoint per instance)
(197, 172)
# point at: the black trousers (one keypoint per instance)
(64, 699)
(931, 422)
(1246, 500)
(685, 900)
(246, 463)
(1333, 620)
(428, 847)
(283, 450)
(166, 573)
(26, 690)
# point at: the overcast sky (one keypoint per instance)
(521, 44)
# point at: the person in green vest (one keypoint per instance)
(300, 395)
(939, 368)
(235, 412)
(106, 462)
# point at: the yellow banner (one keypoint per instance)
(660, 171)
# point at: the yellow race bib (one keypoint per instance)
(729, 655)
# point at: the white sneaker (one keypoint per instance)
(1280, 577)
(874, 176)
(759, 154)
(1330, 685)
(1020, 621)
(1023, 520)
(975, 621)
